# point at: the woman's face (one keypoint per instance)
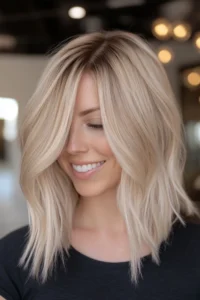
(87, 158)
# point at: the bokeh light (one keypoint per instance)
(165, 55)
(181, 31)
(77, 12)
(161, 29)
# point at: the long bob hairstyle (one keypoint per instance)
(143, 125)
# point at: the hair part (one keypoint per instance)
(144, 128)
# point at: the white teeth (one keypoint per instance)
(86, 168)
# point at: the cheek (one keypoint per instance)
(62, 161)
(104, 148)
(107, 152)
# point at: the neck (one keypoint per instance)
(99, 213)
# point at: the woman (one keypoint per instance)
(102, 163)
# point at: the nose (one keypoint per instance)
(76, 142)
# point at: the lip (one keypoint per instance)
(88, 174)
(80, 163)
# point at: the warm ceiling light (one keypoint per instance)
(181, 31)
(77, 12)
(165, 55)
(193, 78)
(197, 40)
(161, 29)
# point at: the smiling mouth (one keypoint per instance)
(87, 168)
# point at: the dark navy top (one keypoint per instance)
(176, 278)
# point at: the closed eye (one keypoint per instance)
(96, 126)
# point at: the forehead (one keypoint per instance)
(87, 93)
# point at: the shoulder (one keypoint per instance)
(12, 244)
(190, 231)
(16, 236)
(11, 275)
(185, 239)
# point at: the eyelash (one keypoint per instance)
(95, 126)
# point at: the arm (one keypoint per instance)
(1, 298)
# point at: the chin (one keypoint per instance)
(90, 191)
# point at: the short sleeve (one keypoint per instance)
(11, 287)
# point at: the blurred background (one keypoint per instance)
(31, 29)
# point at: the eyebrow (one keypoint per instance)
(88, 111)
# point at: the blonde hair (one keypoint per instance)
(143, 126)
